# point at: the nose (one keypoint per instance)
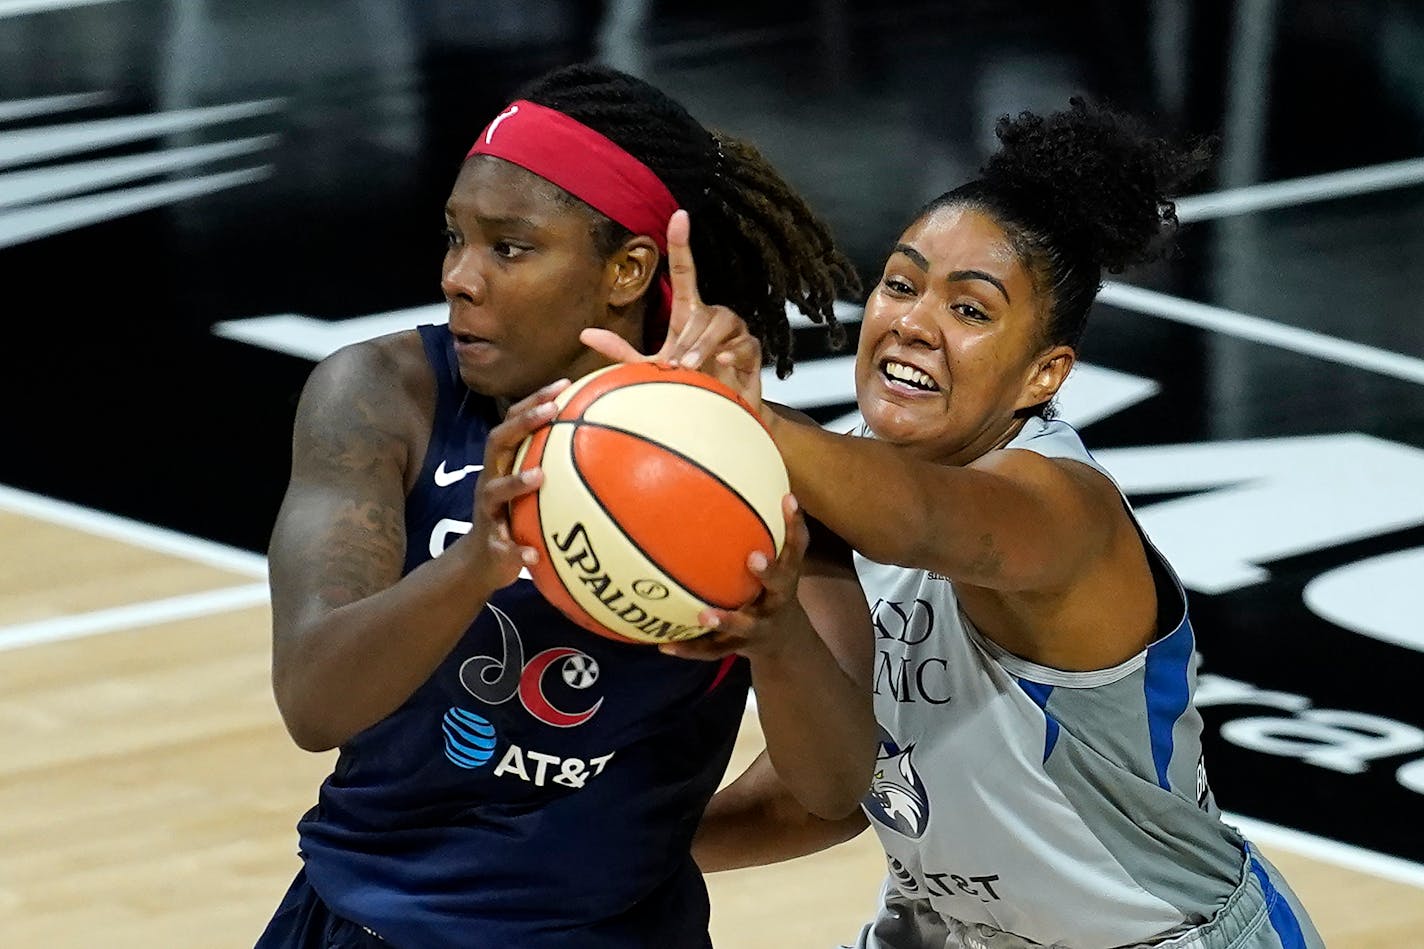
(915, 325)
(461, 277)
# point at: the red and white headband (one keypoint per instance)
(587, 165)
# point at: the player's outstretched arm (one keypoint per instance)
(808, 637)
(756, 820)
(351, 638)
(1010, 520)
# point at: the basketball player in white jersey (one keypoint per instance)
(1040, 778)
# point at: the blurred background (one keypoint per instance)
(198, 198)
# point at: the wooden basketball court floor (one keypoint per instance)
(149, 793)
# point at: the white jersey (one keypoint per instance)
(1068, 808)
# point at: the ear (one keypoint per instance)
(631, 269)
(1050, 368)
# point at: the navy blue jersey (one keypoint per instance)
(542, 787)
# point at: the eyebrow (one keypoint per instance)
(954, 276)
(506, 221)
(914, 255)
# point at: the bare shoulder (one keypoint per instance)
(1070, 507)
(1089, 601)
(787, 412)
(380, 392)
(392, 366)
(1064, 479)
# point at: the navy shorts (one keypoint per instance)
(303, 921)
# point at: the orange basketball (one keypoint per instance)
(658, 484)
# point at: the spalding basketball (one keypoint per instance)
(658, 484)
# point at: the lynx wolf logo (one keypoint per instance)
(897, 796)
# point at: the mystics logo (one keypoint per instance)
(496, 681)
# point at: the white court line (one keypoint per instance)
(1259, 330)
(151, 613)
(143, 535)
(1294, 191)
(1325, 850)
(133, 532)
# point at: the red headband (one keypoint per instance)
(588, 166)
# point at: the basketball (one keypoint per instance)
(658, 484)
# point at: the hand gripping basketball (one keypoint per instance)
(501, 558)
(702, 336)
(760, 627)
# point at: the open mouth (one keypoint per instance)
(907, 375)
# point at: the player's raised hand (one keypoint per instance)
(703, 336)
(697, 331)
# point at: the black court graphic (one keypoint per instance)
(188, 218)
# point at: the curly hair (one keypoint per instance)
(1080, 192)
(757, 244)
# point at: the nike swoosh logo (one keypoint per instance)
(445, 478)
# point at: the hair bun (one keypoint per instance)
(1094, 179)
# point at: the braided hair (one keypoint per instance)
(756, 242)
(1079, 192)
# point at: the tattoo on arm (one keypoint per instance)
(348, 521)
(355, 562)
(989, 561)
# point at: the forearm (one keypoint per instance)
(897, 509)
(859, 488)
(346, 669)
(756, 821)
(818, 722)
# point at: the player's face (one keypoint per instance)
(522, 276)
(950, 339)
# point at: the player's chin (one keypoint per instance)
(482, 380)
(893, 422)
(495, 382)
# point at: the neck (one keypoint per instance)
(986, 442)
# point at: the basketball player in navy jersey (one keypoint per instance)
(1039, 780)
(506, 778)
